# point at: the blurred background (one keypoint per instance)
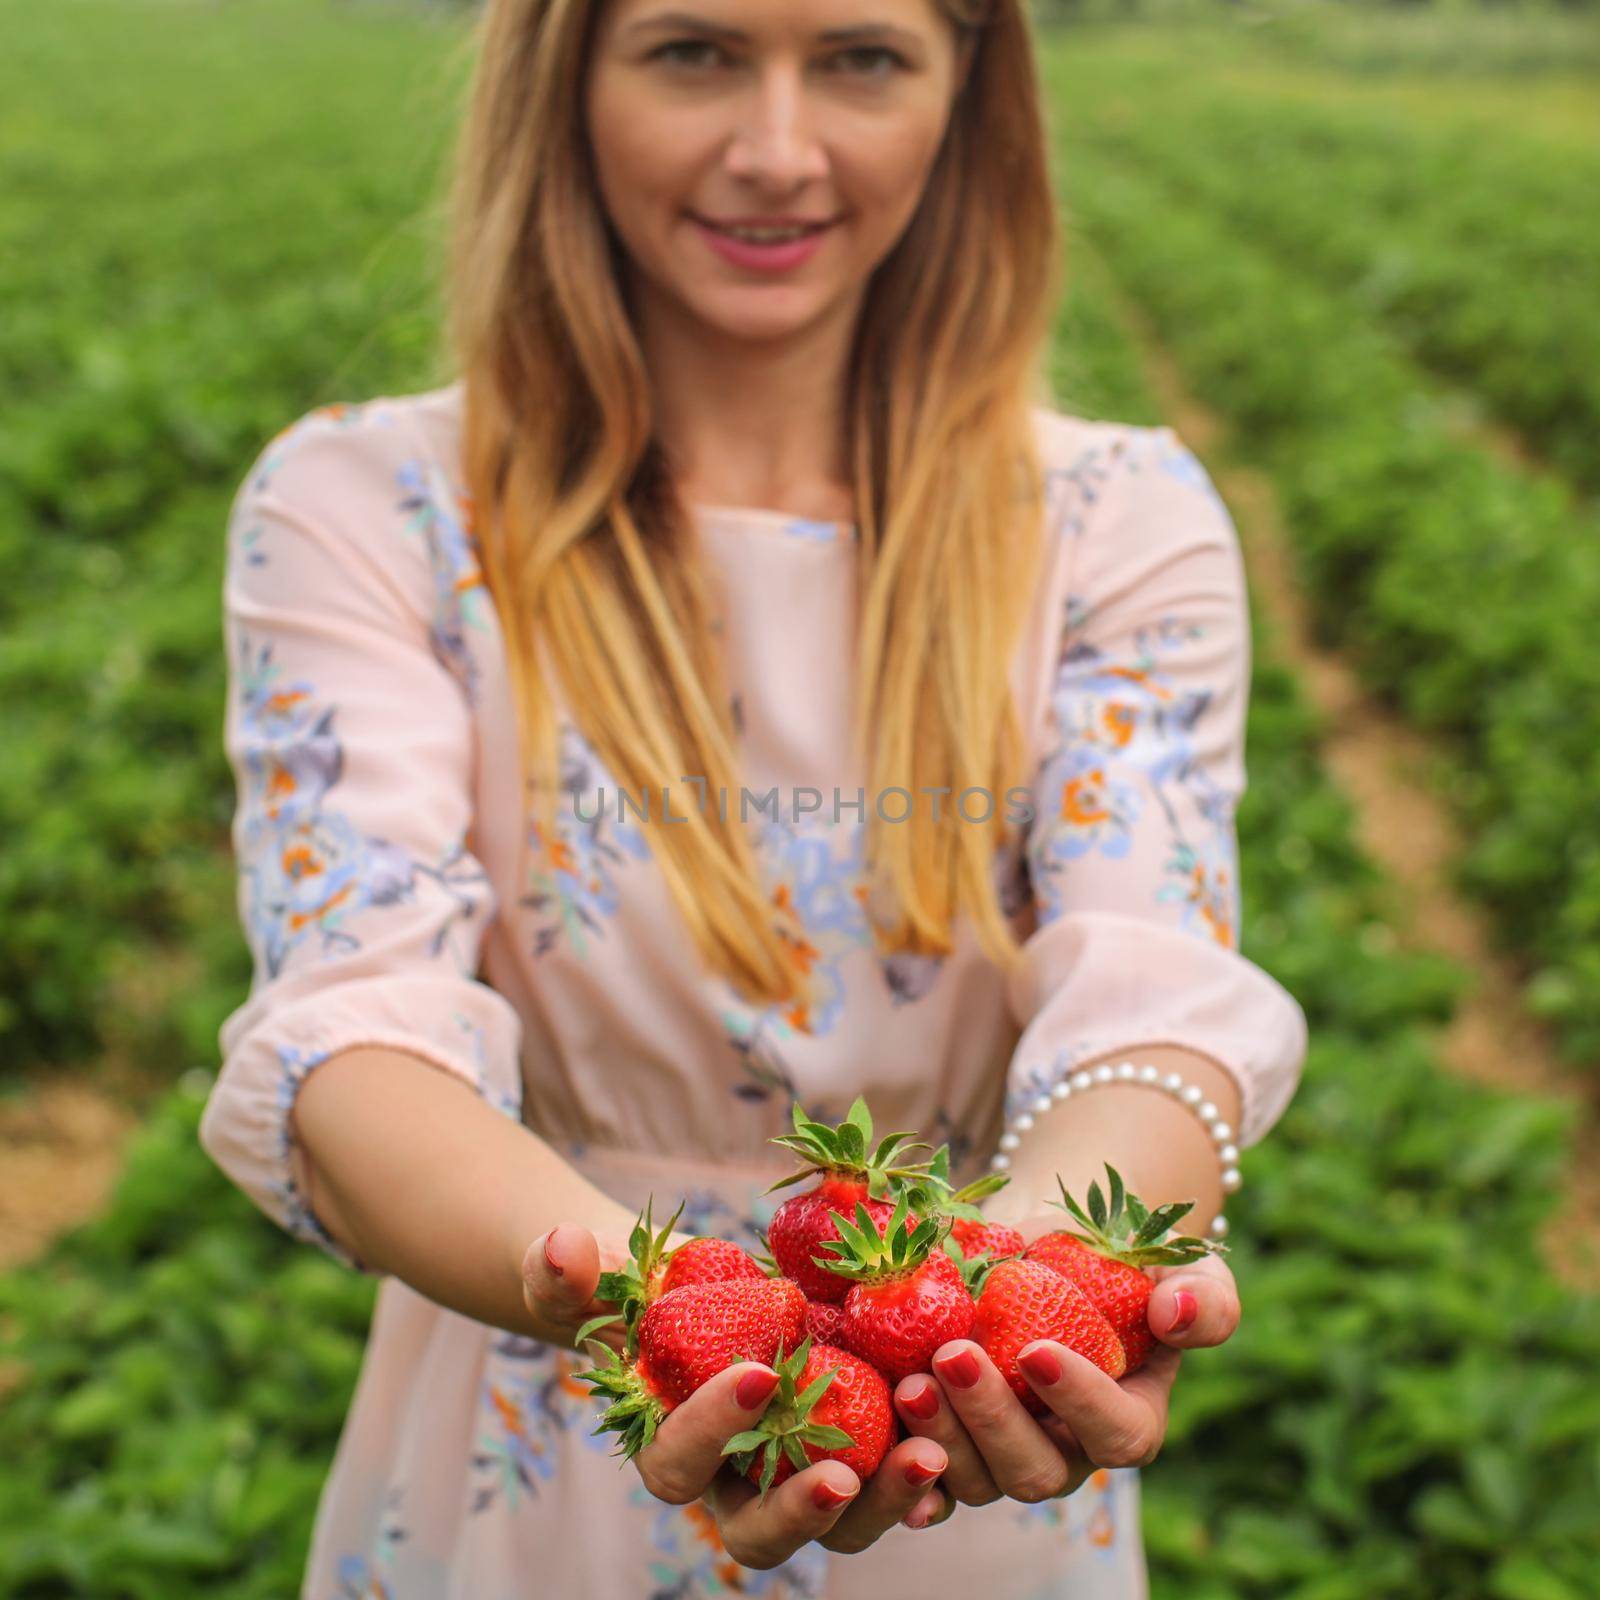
(1351, 253)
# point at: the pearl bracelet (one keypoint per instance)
(1170, 1083)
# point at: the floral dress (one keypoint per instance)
(371, 732)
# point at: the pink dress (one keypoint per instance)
(371, 733)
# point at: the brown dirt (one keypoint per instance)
(1383, 767)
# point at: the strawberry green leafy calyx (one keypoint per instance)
(867, 1254)
(635, 1411)
(1106, 1229)
(847, 1151)
(629, 1288)
(974, 1268)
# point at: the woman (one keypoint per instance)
(780, 541)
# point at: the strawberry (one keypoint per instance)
(1022, 1301)
(1106, 1260)
(904, 1297)
(852, 1174)
(707, 1261)
(653, 1269)
(823, 1319)
(993, 1238)
(686, 1337)
(829, 1406)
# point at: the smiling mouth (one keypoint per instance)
(753, 232)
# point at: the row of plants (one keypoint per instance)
(1477, 254)
(178, 288)
(1464, 590)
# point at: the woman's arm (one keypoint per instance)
(1159, 1146)
(420, 1177)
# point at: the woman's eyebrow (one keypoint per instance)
(687, 21)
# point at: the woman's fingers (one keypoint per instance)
(1206, 1291)
(680, 1462)
(1116, 1422)
(560, 1272)
(1024, 1461)
(920, 1401)
(889, 1496)
(762, 1533)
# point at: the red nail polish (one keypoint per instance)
(549, 1260)
(922, 1403)
(919, 1473)
(826, 1498)
(961, 1369)
(1187, 1307)
(1041, 1365)
(754, 1389)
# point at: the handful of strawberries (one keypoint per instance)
(873, 1267)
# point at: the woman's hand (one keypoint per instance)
(826, 1502)
(560, 1271)
(997, 1448)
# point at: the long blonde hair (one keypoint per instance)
(583, 539)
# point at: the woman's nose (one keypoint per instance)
(777, 133)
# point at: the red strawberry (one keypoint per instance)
(829, 1406)
(823, 1320)
(1022, 1301)
(905, 1297)
(995, 1238)
(654, 1269)
(1105, 1261)
(686, 1337)
(705, 1261)
(853, 1173)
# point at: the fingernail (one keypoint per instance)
(1187, 1307)
(923, 1403)
(1041, 1365)
(550, 1261)
(826, 1498)
(919, 1519)
(754, 1388)
(961, 1369)
(919, 1473)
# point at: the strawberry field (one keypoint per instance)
(1374, 295)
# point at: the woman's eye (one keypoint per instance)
(890, 58)
(691, 45)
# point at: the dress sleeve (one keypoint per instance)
(1131, 849)
(351, 742)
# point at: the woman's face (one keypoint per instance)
(708, 113)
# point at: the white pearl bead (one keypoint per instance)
(1125, 1071)
(1103, 1073)
(1009, 1141)
(1041, 1104)
(1208, 1111)
(1149, 1074)
(1228, 1155)
(1192, 1094)
(1230, 1180)
(1222, 1132)
(999, 1163)
(1172, 1083)
(1062, 1090)
(1022, 1123)
(1219, 1227)
(1081, 1081)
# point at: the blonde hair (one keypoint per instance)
(583, 539)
